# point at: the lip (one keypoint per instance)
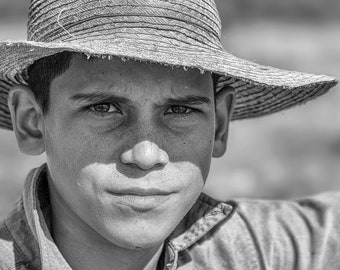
(140, 192)
(141, 200)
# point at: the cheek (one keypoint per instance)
(74, 146)
(195, 147)
(63, 149)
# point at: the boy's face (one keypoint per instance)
(129, 146)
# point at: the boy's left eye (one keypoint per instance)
(104, 108)
(177, 109)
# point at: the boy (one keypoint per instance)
(130, 100)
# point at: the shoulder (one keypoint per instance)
(262, 234)
(7, 257)
(16, 241)
(321, 210)
(10, 256)
(304, 232)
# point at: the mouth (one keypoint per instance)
(141, 200)
(141, 192)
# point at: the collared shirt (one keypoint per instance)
(246, 234)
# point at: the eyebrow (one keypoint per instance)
(108, 97)
(188, 100)
(99, 97)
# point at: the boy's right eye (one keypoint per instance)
(104, 108)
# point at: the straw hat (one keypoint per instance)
(171, 32)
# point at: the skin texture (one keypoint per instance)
(128, 148)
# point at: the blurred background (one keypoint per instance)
(283, 156)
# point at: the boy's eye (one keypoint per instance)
(104, 108)
(176, 109)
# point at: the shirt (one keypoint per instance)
(234, 235)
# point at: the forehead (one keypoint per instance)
(97, 74)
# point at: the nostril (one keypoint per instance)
(126, 157)
(147, 165)
(164, 158)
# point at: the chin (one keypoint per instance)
(139, 244)
(137, 241)
(138, 235)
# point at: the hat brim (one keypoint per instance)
(260, 90)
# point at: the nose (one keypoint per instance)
(145, 155)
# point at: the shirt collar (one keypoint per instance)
(36, 201)
(201, 219)
(206, 214)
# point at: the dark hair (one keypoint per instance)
(42, 72)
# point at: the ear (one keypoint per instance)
(225, 99)
(27, 119)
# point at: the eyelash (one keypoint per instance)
(89, 109)
(184, 114)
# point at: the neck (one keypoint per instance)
(84, 248)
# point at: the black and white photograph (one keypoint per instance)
(169, 135)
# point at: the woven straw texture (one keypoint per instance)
(171, 32)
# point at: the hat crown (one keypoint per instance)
(174, 22)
